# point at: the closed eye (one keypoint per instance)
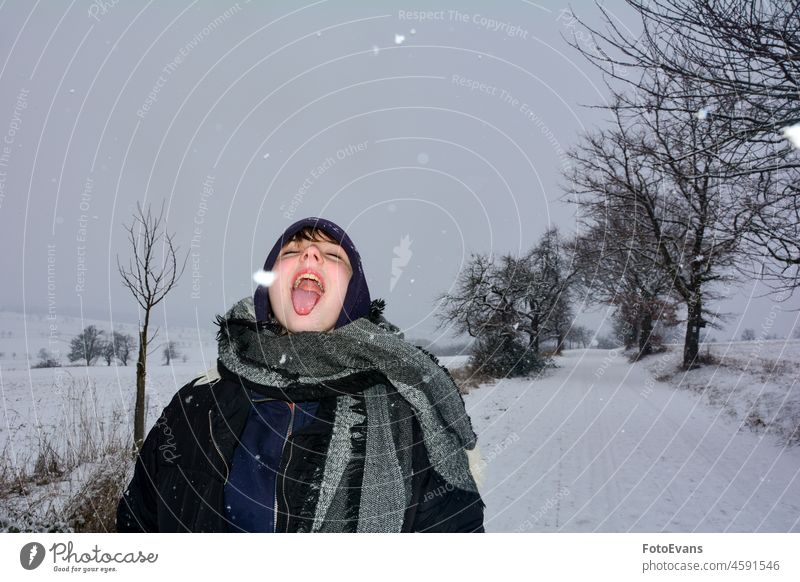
(331, 254)
(334, 255)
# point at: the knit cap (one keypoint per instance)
(357, 299)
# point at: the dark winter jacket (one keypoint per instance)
(208, 466)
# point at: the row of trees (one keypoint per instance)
(691, 186)
(93, 344)
(512, 305)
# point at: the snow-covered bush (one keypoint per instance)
(501, 356)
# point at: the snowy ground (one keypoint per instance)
(52, 401)
(599, 445)
(755, 382)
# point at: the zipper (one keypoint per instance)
(213, 440)
(283, 477)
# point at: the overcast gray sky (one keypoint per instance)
(428, 132)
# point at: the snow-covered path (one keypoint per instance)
(598, 445)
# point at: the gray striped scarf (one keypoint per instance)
(257, 352)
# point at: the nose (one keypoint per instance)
(312, 251)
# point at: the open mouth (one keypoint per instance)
(307, 290)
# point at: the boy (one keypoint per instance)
(319, 416)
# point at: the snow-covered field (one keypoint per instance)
(596, 444)
(72, 418)
(755, 382)
(599, 445)
(47, 402)
(21, 338)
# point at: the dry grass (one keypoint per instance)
(94, 507)
(467, 378)
(72, 477)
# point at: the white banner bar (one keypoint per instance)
(533, 556)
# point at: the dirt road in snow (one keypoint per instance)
(598, 445)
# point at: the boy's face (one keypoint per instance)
(299, 304)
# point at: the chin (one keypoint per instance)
(297, 323)
(304, 326)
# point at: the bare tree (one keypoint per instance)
(489, 304)
(655, 169)
(619, 265)
(107, 351)
(123, 346)
(508, 300)
(149, 280)
(736, 63)
(46, 359)
(87, 345)
(548, 273)
(579, 335)
(552, 271)
(470, 306)
(170, 351)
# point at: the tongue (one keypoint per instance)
(304, 298)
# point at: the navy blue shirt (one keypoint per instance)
(250, 490)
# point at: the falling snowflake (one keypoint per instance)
(188, 399)
(399, 38)
(266, 156)
(792, 133)
(283, 359)
(264, 278)
(413, 31)
(703, 113)
(375, 49)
